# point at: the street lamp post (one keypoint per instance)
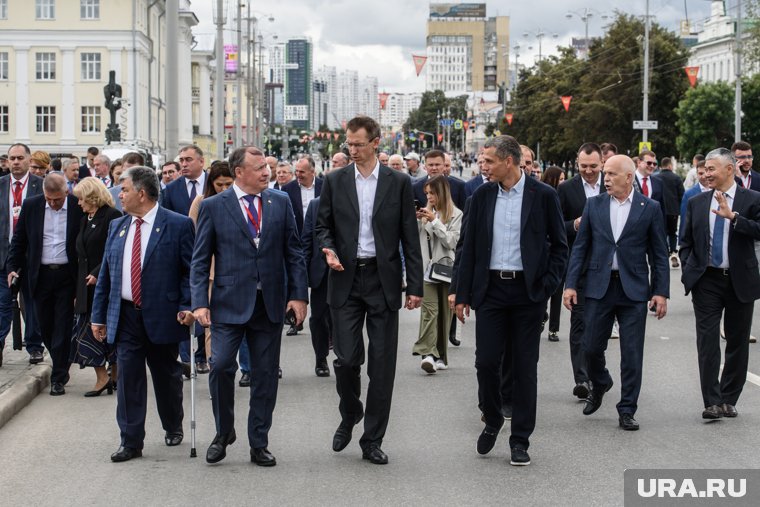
(585, 15)
(539, 35)
(219, 80)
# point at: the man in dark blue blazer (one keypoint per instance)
(647, 182)
(303, 189)
(720, 269)
(748, 177)
(473, 183)
(697, 189)
(319, 320)
(142, 303)
(250, 232)
(435, 163)
(43, 251)
(507, 278)
(619, 232)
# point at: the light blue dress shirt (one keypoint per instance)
(505, 250)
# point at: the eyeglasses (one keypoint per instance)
(651, 164)
(744, 157)
(35, 166)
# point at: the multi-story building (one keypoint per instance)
(329, 76)
(397, 109)
(369, 103)
(202, 74)
(55, 59)
(348, 96)
(298, 83)
(320, 104)
(466, 50)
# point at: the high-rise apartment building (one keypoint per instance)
(298, 83)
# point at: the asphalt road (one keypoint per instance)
(56, 451)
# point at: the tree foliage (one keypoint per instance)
(705, 119)
(425, 118)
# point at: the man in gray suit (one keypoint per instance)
(14, 188)
(366, 210)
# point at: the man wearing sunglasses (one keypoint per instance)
(647, 182)
(745, 175)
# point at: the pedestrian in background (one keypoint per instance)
(39, 164)
(553, 176)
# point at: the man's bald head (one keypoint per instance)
(618, 176)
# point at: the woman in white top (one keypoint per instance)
(438, 224)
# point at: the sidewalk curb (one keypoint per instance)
(23, 391)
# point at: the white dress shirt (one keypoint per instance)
(365, 193)
(244, 206)
(726, 226)
(592, 190)
(199, 187)
(54, 236)
(307, 195)
(126, 269)
(619, 211)
(640, 177)
(746, 180)
(506, 254)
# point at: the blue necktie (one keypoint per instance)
(717, 242)
(250, 199)
(193, 193)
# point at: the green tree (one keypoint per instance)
(425, 117)
(705, 119)
(751, 109)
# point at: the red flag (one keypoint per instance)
(383, 99)
(692, 73)
(466, 125)
(419, 62)
(508, 117)
(440, 137)
(566, 101)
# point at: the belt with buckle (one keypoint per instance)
(615, 274)
(507, 275)
(131, 304)
(54, 266)
(719, 271)
(363, 262)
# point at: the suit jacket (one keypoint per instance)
(25, 256)
(754, 181)
(572, 199)
(315, 259)
(239, 265)
(165, 277)
(115, 191)
(84, 171)
(672, 192)
(176, 198)
(393, 221)
(456, 186)
(33, 187)
(458, 250)
(293, 189)
(642, 239)
(472, 184)
(90, 245)
(655, 191)
(543, 243)
(695, 190)
(695, 243)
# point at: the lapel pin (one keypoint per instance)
(158, 229)
(641, 203)
(269, 202)
(122, 233)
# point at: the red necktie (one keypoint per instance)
(645, 187)
(136, 269)
(17, 195)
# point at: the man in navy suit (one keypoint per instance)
(477, 180)
(648, 183)
(746, 176)
(697, 189)
(434, 164)
(250, 231)
(720, 269)
(619, 231)
(319, 320)
(513, 257)
(43, 251)
(143, 290)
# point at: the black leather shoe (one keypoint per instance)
(262, 457)
(173, 438)
(57, 389)
(36, 356)
(342, 435)
(375, 455)
(201, 367)
(581, 390)
(628, 423)
(245, 380)
(729, 410)
(553, 337)
(1, 353)
(487, 439)
(185, 369)
(506, 411)
(712, 412)
(453, 339)
(519, 457)
(322, 370)
(292, 331)
(217, 451)
(594, 400)
(279, 372)
(125, 454)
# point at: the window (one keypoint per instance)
(45, 9)
(89, 9)
(45, 66)
(90, 66)
(4, 119)
(3, 66)
(90, 119)
(46, 119)
(3, 9)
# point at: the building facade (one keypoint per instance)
(298, 83)
(397, 109)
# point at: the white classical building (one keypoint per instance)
(55, 58)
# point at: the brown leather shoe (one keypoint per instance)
(729, 410)
(712, 412)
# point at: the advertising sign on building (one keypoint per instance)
(230, 58)
(466, 10)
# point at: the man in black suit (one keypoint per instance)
(319, 320)
(88, 163)
(473, 183)
(435, 164)
(672, 194)
(44, 251)
(746, 176)
(513, 257)
(572, 198)
(648, 183)
(720, 269)
(366, 210)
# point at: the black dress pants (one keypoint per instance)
(320, 321)
(54, 301)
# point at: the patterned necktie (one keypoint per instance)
(193, 193)
(136, 267)
(250, 199)
(717, 242)
(645, 187)
(17, 196)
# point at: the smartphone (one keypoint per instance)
(417, 205)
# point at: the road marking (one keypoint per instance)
(755, 379)
(664, 338)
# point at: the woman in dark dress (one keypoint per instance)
(97, 204)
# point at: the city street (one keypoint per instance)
(56, 451)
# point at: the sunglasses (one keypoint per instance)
(651, 164)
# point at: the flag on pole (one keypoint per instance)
(692, 73)
(566, 101)
(383, 99)
(508, 117)
(419, 62)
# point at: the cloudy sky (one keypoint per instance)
(378, 38)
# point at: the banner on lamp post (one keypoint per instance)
(508, 117)
(566, 101)
(383, 99)
(692, 73)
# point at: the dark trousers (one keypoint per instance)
(320, 321)
(365, 302)
(631, 317)
(713, 296)
(264, 338)
(200, 352)
(54, 296)
(133, 350)
(577, 329)
(555, 308)
(32, 334)
(671, 229)
(508, 319)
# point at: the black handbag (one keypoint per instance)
(441, 271)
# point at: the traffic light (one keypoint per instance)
(472, 124)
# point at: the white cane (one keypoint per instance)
(193, 346)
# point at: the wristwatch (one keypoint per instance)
(733, 220)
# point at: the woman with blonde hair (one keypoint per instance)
(98, 206)
(39, 163)
(438, 224)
